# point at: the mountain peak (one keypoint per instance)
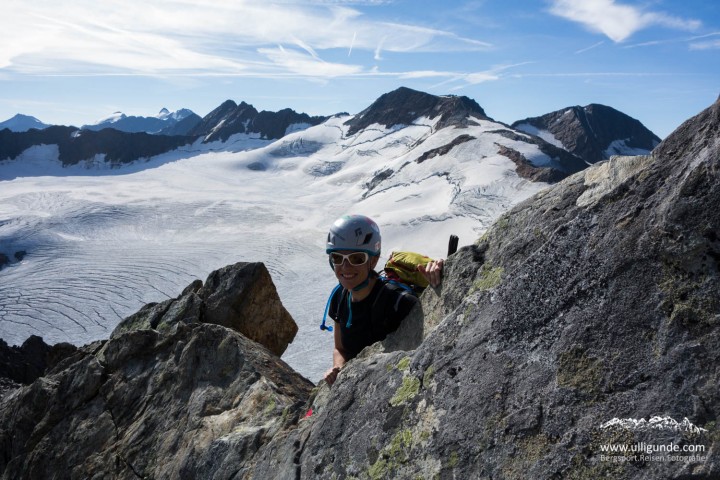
(22, 123)
(231, 118)
(404, 105)
(228, 104)
(593, 132)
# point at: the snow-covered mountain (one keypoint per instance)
(100, 243)
(594, 132)
(22, 123)
(163, 122)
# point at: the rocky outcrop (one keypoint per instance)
(168, 396)
(192, 403)
(404, 105)
(230, 118)
(566, 163)
(439, 151)
(6, 260)
(24, 364)
(241, 297)
(594, 132)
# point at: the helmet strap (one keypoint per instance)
(365, 282)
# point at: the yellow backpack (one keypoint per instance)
(403, 267)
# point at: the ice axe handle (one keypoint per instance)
(452, 244)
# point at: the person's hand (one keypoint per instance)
(331, 375)
(432, 272)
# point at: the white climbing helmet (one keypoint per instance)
(356, 233)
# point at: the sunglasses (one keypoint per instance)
(355, 259)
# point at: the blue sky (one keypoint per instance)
(76, 61)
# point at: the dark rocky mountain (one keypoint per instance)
(586, 318)
(163, 122)
(230, 118)
(594, 132)
(404, 105)
(76, 145)
(22, 123)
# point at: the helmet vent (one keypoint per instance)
(368, 237)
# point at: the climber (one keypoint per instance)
(365, 307)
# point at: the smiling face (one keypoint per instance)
(350, 276)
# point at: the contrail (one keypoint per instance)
(352, 43)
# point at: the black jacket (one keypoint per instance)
(373, 318)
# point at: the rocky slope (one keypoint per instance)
(593, 133)
(584, 310)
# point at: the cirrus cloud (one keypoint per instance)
(202, 37)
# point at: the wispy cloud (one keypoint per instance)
(592, 74)
(705, 44)
(617, 21)
(306, 65)
(594, 45)
(378, 49)
(203, 37)
(426, 74)
(465, 79)
(693, 42)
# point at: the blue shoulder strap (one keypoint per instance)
(402, 285)
(327, 307)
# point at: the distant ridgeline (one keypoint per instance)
(124, 141)
(573, 138)
(75, 145)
